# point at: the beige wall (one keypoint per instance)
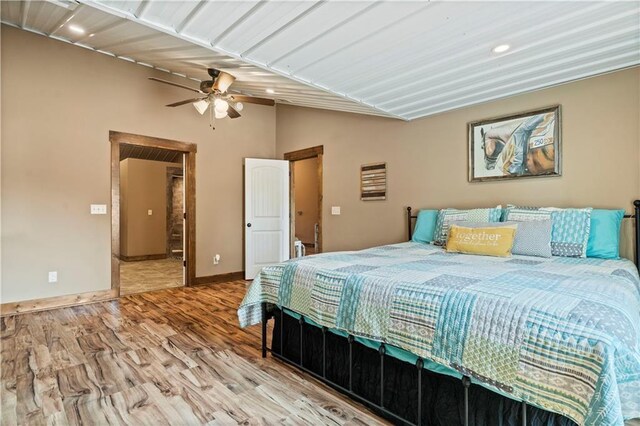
(56, 160)
(143, 187)
(306, 198)
(58, 104)
(427, 158)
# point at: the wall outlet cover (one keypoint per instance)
(53, 276)
(98, 209)
(150, 212)
(335, 210)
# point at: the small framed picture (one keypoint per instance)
(516, 146)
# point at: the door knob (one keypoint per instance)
(248, 225)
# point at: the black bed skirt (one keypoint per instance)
(442, 397)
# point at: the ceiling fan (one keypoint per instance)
(215, 94)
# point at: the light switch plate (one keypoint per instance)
(98, 209)
(335, 210)
(53, 276)
(149, 212)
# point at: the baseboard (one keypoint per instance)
(143, 257)
(220, 278)
(13, 308)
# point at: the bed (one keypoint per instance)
(429, 337)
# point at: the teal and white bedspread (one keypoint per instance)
(561, 333)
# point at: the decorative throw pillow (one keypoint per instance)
(425, 226)
(569, 227)
(604, 236)
(533, 238)
(448, 216)
(489, 241)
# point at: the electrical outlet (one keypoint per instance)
(53, 276)
(216, 259)
(98, 209)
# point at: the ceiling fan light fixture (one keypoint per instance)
(201, 106)
(213, 97)
(221, 105)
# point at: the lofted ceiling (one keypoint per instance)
(402, 59)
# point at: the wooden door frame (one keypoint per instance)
(173, 172)
(187, 148)
(293, 156)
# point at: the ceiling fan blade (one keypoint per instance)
(232, 112)
(159, 80)
(223, 81)
(186, 101)
(253, 100)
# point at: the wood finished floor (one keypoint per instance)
(150, 275)
(174, 356)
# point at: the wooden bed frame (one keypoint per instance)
(302, 332)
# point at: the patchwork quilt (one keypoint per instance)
(560, 333)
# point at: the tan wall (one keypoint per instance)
(143, 187)
(306, 198)
(427, 158)
(58, 104)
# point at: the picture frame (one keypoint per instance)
(517, 146)
(373, 182)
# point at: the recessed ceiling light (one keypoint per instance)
(76, 29)
(270, 91)
(501, 48)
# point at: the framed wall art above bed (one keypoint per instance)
(516, 146)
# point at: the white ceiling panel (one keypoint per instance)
(216, 19)
(402, 59)
(325, 48)
(135, 40)
(471, 59)
(168, 14)
(263, 23)
(283, 43)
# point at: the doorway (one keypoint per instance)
(306, 200)
(152, 213)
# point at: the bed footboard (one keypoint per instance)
(404, 393)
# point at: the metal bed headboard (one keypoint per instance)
(636, 215)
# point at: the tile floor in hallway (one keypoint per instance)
(149, 275)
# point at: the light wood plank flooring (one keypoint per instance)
(149, 275)
(174, 356)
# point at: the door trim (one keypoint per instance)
(172, 172)
(304, 154)
(187, 148)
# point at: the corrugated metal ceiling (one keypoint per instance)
(404, 59)
(149, 153)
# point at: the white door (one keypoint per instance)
(266, 192)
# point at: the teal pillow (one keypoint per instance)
(604, 238)
(425, 226)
